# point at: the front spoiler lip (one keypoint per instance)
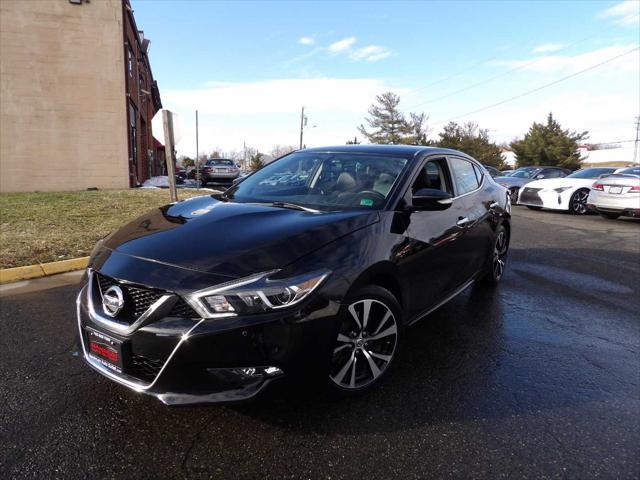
(168, 398)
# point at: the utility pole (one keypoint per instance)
(303, 122)
(197, 155)
(636, 146)
(244, 156)
(169, 153)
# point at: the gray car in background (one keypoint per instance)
(524, 175)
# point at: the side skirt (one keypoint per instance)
(438, 305)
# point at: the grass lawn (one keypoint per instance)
(46, 227)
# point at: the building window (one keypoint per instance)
(133, 134)
(130, 61)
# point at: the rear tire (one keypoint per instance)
(367, 341)
(578, 202)
(534, 208)
(498, 261)
(610, 216)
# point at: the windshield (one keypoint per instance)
(591, 172)
(320, 180)
(525, 173)
(219, 161)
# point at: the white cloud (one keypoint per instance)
(265, 113)
(370, 53)
(574, 63)
(548, 47)
(623, 13)
(342, 45)
(306, 41)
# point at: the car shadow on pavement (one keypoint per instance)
(521, 348)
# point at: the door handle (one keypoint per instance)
(463, 222)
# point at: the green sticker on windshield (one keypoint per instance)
(367, 202)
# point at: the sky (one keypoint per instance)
(249, 67)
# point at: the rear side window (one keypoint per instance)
(464, 176)
(554, 173)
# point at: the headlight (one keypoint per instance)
(255, 294)
(561, 189)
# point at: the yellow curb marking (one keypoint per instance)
(10, 275)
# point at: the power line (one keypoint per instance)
(513, 69)
(537, 89)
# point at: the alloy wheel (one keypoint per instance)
(365, 345)
(499, 255)
(579, 201)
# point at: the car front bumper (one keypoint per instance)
(185, 361)
(538, 197)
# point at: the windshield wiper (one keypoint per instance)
(292, 206)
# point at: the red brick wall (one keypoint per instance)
(145, 164)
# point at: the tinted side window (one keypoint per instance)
(464, 176)
(433, 175)
(552, 173)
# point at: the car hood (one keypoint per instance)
(511, 181)
(551, 183)
(232, 239)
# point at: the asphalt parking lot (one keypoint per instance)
(539, 379)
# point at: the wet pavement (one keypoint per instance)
(539, 378)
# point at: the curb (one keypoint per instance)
(10, 275)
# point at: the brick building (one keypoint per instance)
(77, 96)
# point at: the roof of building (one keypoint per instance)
(620, 154)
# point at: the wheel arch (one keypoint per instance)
(383, 274)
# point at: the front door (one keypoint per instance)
(432, 255)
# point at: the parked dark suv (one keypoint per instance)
(311, 267)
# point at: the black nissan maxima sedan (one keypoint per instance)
(312, 267)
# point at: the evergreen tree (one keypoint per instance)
(388, 124)
(549, 144)
(255, 162)
(473, 141)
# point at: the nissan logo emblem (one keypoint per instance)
(112, 300)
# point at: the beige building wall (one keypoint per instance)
(63, 122)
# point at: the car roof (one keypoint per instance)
(404, 150)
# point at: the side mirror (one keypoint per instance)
(431, 199)
(540, 176)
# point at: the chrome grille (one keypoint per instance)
(139, 299)
(530, 196)
(183, 310)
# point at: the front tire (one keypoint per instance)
(578, 202)
(367, 341)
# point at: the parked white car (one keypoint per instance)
(568, 193)
(617, 195)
